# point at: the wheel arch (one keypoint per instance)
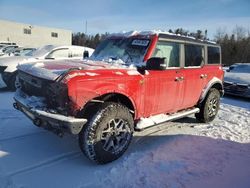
(93, 104)
(213, 83)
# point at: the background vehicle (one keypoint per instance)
(237, 80)
(6, 48)
(132, 81)
(20, 51)
(7, 43)
(8, 65)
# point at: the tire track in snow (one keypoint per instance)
(21, 136)
(163, 127)
(49, 162)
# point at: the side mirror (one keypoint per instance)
(156, 63)
(85, 54)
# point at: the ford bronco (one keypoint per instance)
(131, 82)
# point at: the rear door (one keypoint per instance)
(195, 74)
(162, 87)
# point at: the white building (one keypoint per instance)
(33, 35)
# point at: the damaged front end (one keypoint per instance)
(46, 103)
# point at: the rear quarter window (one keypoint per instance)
(213, 55)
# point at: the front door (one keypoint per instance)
(163, 87)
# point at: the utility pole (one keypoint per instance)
(86, 27)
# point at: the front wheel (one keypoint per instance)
(209, 107)
(108, 134)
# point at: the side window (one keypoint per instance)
(213, 55)
(170, 51)
(60, 53)
(77, 53)
(194, 55)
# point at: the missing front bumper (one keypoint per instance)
(55, 122)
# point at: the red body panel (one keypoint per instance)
(81, 89)
(152, 93)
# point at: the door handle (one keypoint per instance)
(203, 76)
(178, 79)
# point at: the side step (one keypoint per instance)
(160, 118)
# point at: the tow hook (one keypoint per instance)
(58, 133)
(15, 106)
(37, 122)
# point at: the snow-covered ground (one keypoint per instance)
(177, 154)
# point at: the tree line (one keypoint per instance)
(91, 41)
(235, 46)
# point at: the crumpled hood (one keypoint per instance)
(13, 61)
(51, 70)
(240, 78)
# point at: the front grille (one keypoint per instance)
(33, 86)
(54, 93)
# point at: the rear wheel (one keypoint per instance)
(209, 107)
(108, 134)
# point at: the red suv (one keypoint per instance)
(131, 82)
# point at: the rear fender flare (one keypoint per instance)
(214, 81)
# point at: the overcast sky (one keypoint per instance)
(124, 15)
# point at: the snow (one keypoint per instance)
(119, 73)
(91, 74)
(51, 71)
(133, 72)
(178, 154)
(153, 32)
(37, 106)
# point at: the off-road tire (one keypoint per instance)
(99, 133)
(209, 106)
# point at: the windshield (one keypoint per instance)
(41, 51)
(126, 51)
(8, 48)
(11, 50)
(240, 68)
(25, 51)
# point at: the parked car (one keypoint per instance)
(7, 43)
(131, 82)
(20, 51)
(237, 80)
(6, 48)
(8, 65)
(2, 45)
